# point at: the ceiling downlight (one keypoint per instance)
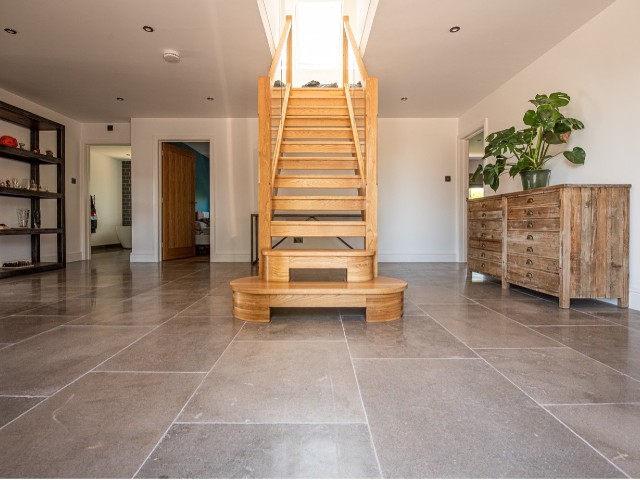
(148, 29)
(455, 29)
(11, 31)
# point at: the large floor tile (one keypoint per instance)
(532, 312)
(211, 306)
(460, 418)
(14, 307)
(297, 324)
(621, 316)
(12, 407)
(136, 311)
(44, 364)
(562, 375)
(612, 429)
(18, 327)
(280, 382)
(616, 346)
(434, 295)
(72, 306)
(183, 344)
(263, 451)
(410, 337)
(101, 426)
(479, 327)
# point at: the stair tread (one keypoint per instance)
(319, 197)
(320, 223)
(379, 286)
(316, 177)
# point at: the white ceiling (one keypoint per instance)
(77, 56)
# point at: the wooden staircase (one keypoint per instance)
(318, 178)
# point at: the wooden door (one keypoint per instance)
(178, 202)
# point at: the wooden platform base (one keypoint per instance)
(382, 297)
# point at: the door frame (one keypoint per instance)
(84, 175)
(158, 185)
(463, 183)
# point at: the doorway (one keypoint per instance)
(109, 202)
(475, 154)
(185, 192)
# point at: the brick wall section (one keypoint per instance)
(126, 192)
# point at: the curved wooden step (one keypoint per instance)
(358, 263)
(382, 297)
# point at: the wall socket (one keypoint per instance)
(297, 239)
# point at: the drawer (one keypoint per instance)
(534, 199)
(481, 254)
(485, 235)
(535, 225)
(493, 245)
(539, 249)
(533, 262)
(489, 268)
(545, 282)
(484, 225)
(482, 214)
(485, 204)
(533, 238)
(540, 212)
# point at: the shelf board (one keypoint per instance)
(26, 119)
(30, 231)
(35, 268)
(27, 156)
(22, 192)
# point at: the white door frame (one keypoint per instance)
(463, 184)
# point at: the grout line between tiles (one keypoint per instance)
(364, 410)
(587, 404)
(146, 372)
(267, 423)
(195, 390)
(23, 396)
(539, 404)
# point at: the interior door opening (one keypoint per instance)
(476, 152)
(186, 206)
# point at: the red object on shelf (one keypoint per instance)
(8, 141)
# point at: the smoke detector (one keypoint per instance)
(171, 56)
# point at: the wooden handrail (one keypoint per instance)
(276, 150)
(286, 34)
(355, 48)
(354, 130)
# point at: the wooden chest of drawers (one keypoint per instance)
(485, 234)
(570, 241)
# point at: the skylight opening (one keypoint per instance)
(318, 34)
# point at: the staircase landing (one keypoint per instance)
(382, 297)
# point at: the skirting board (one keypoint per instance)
(634, 298)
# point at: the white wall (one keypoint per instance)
(106, 184)
(416, 207)
(234, 180)
(598, 66)
(17, 247)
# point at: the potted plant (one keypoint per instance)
(545, 126)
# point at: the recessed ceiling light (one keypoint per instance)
(148, 29)
(404, 99)
(10, 31)
(120, 99)
(211, 99)
(455, 29)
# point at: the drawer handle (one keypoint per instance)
(529, 224)
(482, 254)
(482, 235)
(482, 245)
(484, 206)
(529, 275)
(530, 249)
(530, 200)
(484, 214)
(529, 213)
(482, 265)
(484, 225)
(529, 237)
(529, 261)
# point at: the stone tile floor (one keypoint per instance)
(111, 369)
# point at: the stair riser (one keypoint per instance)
(319, 183)
(298, 133)
(318, 111)
(316, 230)
(278, 269)
(316, 122)
(328, 164)
(314, 148)
(315, 205)
(317, 102)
